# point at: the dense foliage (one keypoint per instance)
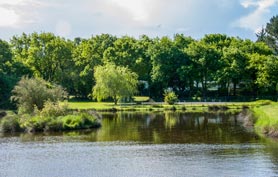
(40, 122)
(115, 82)
(33, 93)
(216, 66)
(170, 97)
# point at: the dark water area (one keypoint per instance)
(143, 144)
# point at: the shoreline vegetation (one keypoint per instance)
(65, 116)
(266, 120)
(160, 106)
(53, 117)
(13, 122)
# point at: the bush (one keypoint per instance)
(33, 92)
(70, 122)
(53, 109)
(54, 124)
(10, 124)
(80, 121)
(89, 120)
(170, 97)
(35, 123)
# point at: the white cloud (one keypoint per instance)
(8, 18)
(256, 19)
(18, 13)
(137, 9)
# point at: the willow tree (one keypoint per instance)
(114, 81)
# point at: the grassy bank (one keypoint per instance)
(155, 106)
(266, 119)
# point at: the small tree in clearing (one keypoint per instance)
(170, 97)
(114, 81)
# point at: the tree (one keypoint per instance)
(269, 34)
(114, 81)
(170, 97)
(268, 73)
(88, 54)
(48, 56)
(33, 92)
(272, 33)
(5, 62)
(10, 72)
(5, 56)
(261, 35)
(233, 66)
(166, 59)
(205, 58)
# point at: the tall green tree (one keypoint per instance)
(87, 54)
(257, 53)
(142, 65)
(205, 58)
(272, 33)
(261, 35)
(268, 73)
(234, 68)
(47, 56)
(10, 72)
(5, 65)
(166, 59)
(115, 82)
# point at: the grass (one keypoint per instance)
(155, 106)
(266, 119)
(141, 98)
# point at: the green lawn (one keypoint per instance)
(141, 98)
(142, 105)
(90, 105)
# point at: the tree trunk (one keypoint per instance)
(234, 89)
(115, 100)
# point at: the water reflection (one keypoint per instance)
(143, 144)
(162, 127)
(172, 127)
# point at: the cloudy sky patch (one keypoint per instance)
(71, 18)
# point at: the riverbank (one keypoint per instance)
(74, 115)
(160, 106)
(266, 120)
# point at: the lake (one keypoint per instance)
(163, 144)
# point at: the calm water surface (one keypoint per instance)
(143, 144)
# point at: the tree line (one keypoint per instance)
(216, 65)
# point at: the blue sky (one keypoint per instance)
(83, 18)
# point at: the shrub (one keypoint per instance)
(32, 92)
(10, 124)
(54, 124)
(70, 122)
(80, 121)
(89, 121)
(53, 109)
(170, 97)
(35, 123)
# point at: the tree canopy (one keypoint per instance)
(214, 66)
(114, 81)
